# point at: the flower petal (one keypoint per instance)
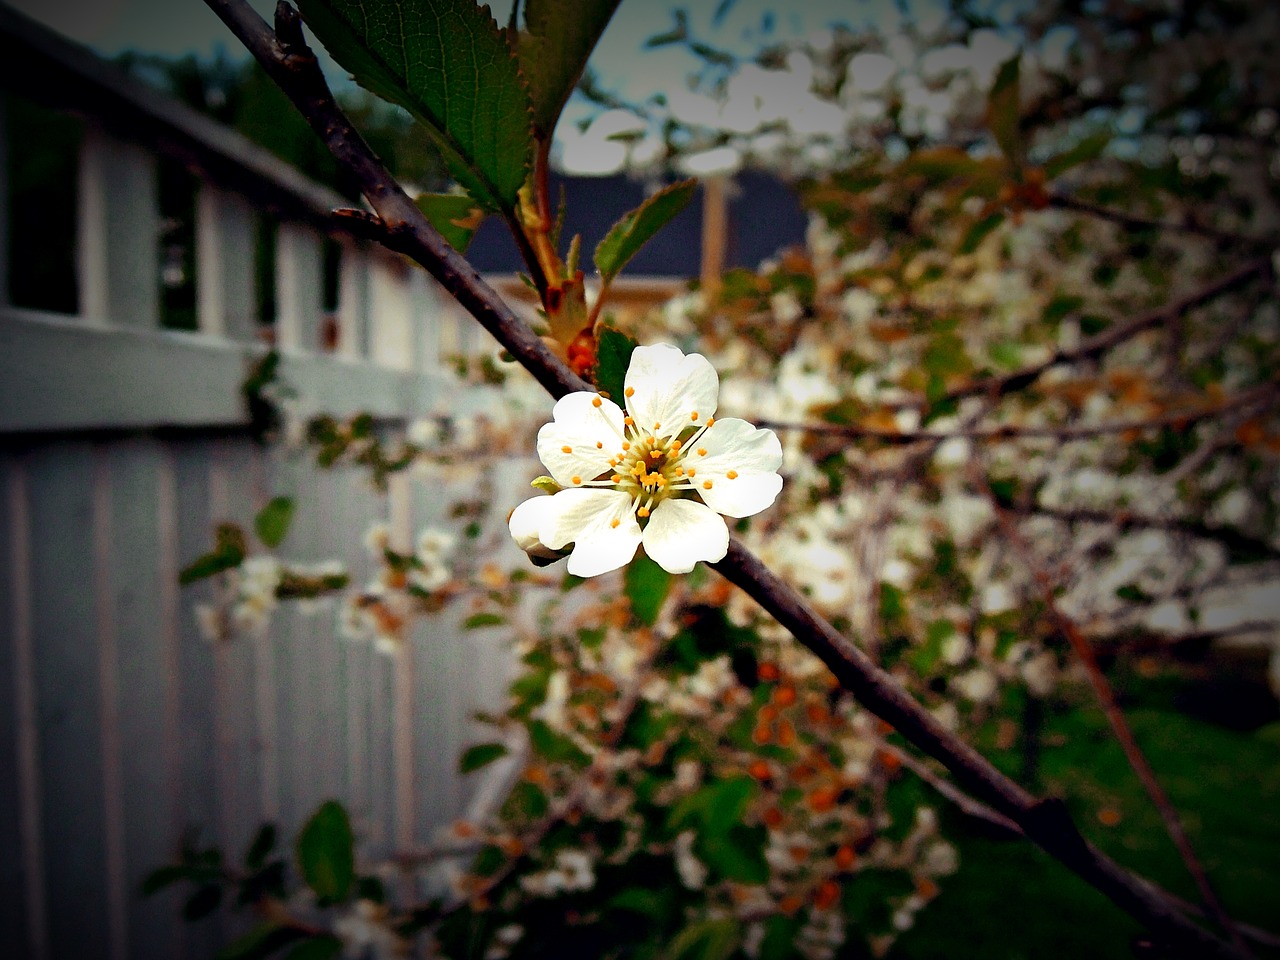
(525, 524)
(670, 386)
(682, 532)
(586, 518)
(591, 433)
(752, 454)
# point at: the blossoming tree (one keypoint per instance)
(968, 437)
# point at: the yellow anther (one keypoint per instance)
(676, 446)
(613, 462)
(642, 512)
(679, 471)
(616, 478)
(596, 402)
(657, 426)
(706, 484)
(694, 415)
(732, 474)
(702, 451)
(693, 472)
(655, 454)
(711, 421)
(626, 445)
(599, 445)
(577, 479)
(628, 421)
(661, 481)
(630, 391)
(614, 522)
(566, 449)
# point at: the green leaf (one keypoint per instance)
(203, 902)
(451, 67)
(613, 356)
(779, 938)
(1090, 148)
(705, 940)
(558, 39)
(326, 852)
(736, 855)
(1004, 108)
(556, 747)
(454, 215)
(157, 880)
(647, 585)
(481, 755)
(317, 948)
(635, 229)
(228, 552)
(260, 942)
(272, 523)
(478, 620)
(263, 843)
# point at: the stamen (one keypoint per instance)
(630, 391)
(655, 454)
(616, 478)
(676, 446)
(657, 426)
(711, 421)
(577, 479)
(706, 484)
(599, 445)
(626, 445)
(642, 512)
(613, 462)
(566, 449)
(732, 474)
(702, 451)
(596, 401)
(614, 523)
(692, 472)
(628, 421)
(694, 416)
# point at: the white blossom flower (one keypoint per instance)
(657, 474)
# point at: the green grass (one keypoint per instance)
(1011, 902)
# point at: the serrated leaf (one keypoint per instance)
(477, 620)
(454, 215)
(558, 39)
(705, 940)
(635, 229)
(647, 585)
(613, 356)
(447, 63)
(272, 522)
(1004, 109)
(481, 755)
(326, 853)
(324, 947)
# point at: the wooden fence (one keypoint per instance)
(122, 443)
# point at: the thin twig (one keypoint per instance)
(1256, 397)
(1083, 650)
(1132, 222)
(1045, 821)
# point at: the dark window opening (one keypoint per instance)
(177, 245)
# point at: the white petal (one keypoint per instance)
(592, 434)
(526, 523)
(752, 453)
(669, 387)
(682, 532)
(585, 519)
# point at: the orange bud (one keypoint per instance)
(759, 770)
(784, 696)
(827, 895)
(846, 857)
(767, 672)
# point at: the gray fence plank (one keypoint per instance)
(147, 704)
(68, 699)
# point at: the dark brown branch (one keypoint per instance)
(1045, 821)
(1256, 397)
(1132, 222)
(1106, 697)
(1095, 346)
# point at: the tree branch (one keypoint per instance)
(1045, 821)
(1132, 222)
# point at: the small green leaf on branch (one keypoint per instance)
(1004, 109)
(326, 853)
(613, 356)
(635, 229)
(272, 522)
(454, 215)
(481, 755)
(647, 585)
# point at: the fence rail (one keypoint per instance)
(121, 444)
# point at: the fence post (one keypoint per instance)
(225, 305)
(119, 223)
(390, 315)
(299, 287)
(353, 302)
